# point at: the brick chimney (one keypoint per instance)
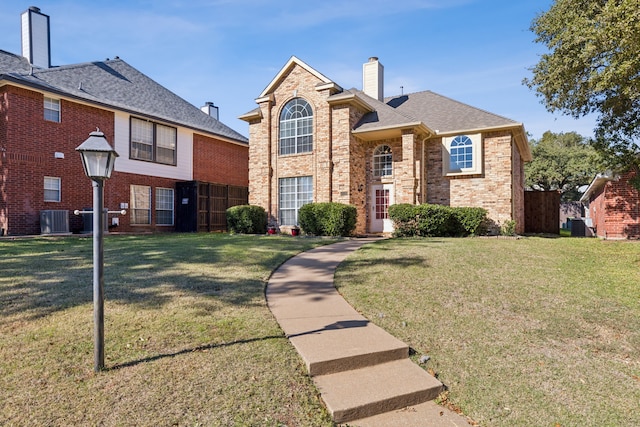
(373, 78)
(35, 37)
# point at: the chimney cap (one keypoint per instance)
(373, 59)
(34, 9)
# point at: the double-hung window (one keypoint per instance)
(51, 189)
(294, 193)
(164, 206)
(153, 142)
(140, 205)
(296, 127)
(51, 109)
(382, 161)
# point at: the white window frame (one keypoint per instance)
(476, 152)
(52, 185)
(153, 142)
(52, 109)
(382, 161)
(296, 128)
(139, 204)
(164, 204)
(294, 192)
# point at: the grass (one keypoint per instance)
(535, 331)
(189, 339)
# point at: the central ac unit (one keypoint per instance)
(54, 222)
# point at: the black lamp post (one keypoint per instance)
(98, 158)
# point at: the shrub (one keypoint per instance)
(404, 217)
(508, 228)
(247, 219)
(327, 219)
(437, 220)
(473, 221)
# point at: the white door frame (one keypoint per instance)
(381, 198)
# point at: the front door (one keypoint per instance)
(381, 198)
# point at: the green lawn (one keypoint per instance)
(525, 332)
(529, 332)
(189, 339)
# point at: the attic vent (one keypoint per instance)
(54, 222)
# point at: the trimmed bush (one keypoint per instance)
(473, 221)
(405, 219)
(247, 219)
(327, 219)
(437, 220)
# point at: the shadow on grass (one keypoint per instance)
(189, 350)
(41, 276)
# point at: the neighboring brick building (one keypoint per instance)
(613, 206)
(162, 140)
(312, 141)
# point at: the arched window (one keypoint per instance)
(296, 127)
(382, 161)
(461, 154)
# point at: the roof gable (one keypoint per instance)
(291, 63)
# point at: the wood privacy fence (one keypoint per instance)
(202, 206)
(542, 212)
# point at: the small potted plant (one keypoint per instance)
(272, 229)
(295, 230)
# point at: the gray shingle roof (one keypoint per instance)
(435, 111)
(116, 84)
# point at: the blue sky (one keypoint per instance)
(227, 51)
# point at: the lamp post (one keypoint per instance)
(98, 158)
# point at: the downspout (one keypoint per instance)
(269, 160)
(423, 171)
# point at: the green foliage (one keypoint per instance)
(247, 219)
(437, 220)
(564, 162)
(405, 219)
(473, 221)
(327, 219)
(593, 67)
(508, 228)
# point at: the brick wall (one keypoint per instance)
(28, 147)
(615, 209)
(491, 190)
(219, 161)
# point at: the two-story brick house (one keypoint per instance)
(313, 141)
(162, 141)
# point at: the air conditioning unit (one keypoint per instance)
(54, 222)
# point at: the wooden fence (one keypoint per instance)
(542, 212)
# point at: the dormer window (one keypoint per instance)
(52, 109)
(296, 127)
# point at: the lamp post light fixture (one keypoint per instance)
(98, 158)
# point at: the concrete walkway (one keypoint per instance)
(363, 373)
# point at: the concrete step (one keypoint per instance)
(344, 344)
(365, 392)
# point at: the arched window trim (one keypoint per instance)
(462, 154)
(296, 127)
(382, 161)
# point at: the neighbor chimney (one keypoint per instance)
(35, 37)
(210, 109)
(373, 78)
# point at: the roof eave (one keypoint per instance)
(293, 61)
(598, 182)
(44, 88)
(391, 131)
(352, 99)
